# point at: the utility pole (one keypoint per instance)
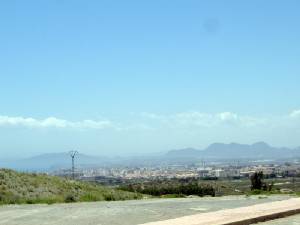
(73, 154)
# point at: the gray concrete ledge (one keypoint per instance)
(239, 216)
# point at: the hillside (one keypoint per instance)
(18, 188)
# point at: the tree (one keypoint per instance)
(257, 181)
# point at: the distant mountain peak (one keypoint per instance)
(258, 150)
(261, 144)
(217, 144)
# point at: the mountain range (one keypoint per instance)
(216, 151)
(259, 150)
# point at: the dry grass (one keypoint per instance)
(21, 188)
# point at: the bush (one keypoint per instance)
(70, 198)
(171, 187)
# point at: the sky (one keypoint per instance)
(137, 77)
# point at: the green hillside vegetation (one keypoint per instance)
(22, 188)
(173, 187)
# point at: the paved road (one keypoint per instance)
(121, 213)
(239, 216)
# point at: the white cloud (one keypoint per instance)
(54, 122)
(194, 118)
(295, 114)
(151, 121)
(227, 116)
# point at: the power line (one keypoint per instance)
(73, 154)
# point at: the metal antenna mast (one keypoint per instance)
(73, 154)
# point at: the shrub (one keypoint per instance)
(70, 198)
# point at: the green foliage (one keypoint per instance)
(175, 188)
(25, 188)
(70, 198)
(257, 181)
(258, 184)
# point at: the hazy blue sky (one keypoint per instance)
(117, 77)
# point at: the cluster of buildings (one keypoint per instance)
(141, 172)
(269, 170)
(179, 171)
